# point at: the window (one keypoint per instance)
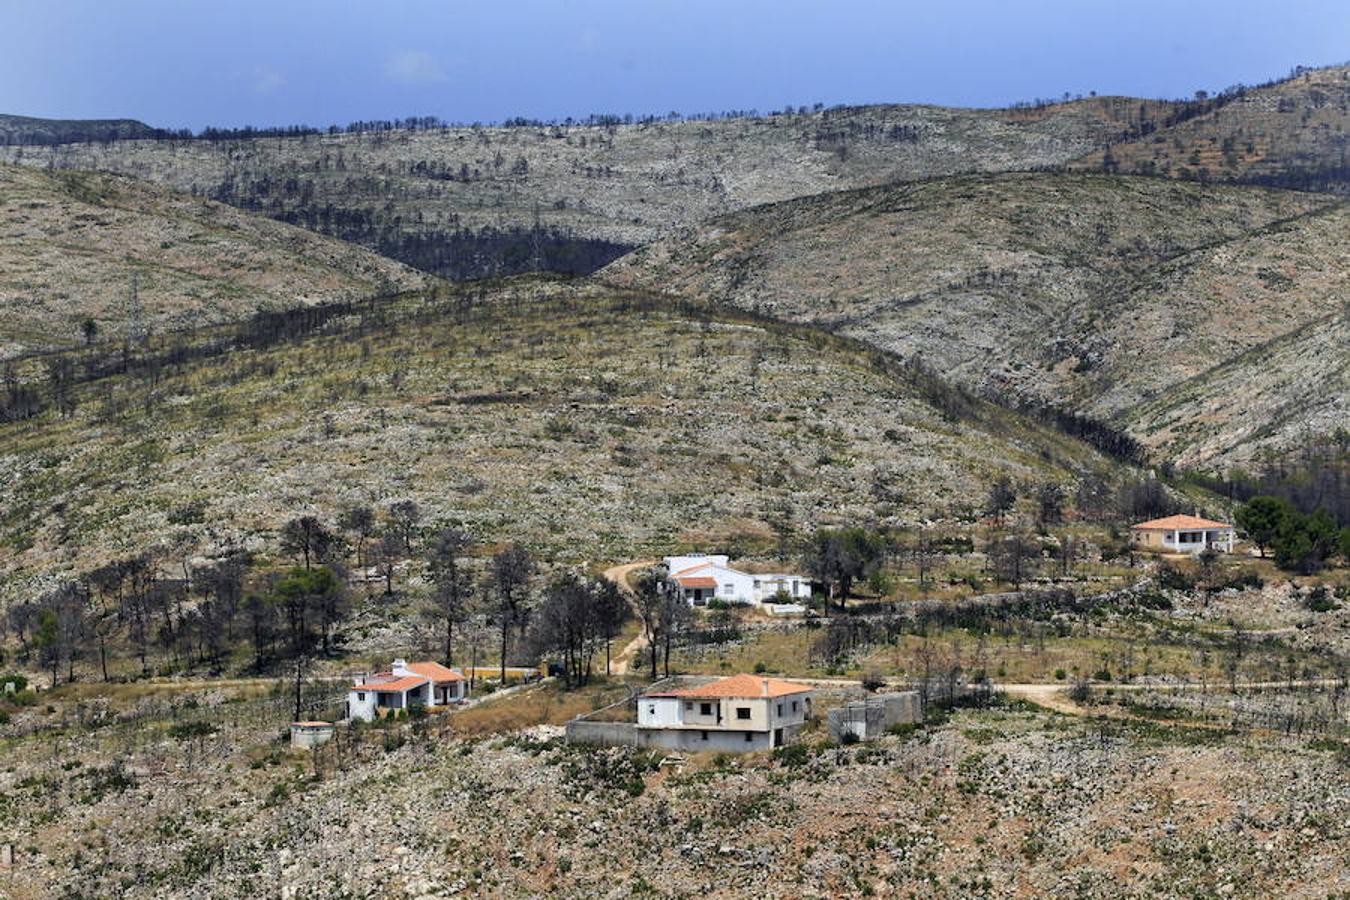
(703, 735)
(742, 712)
(651, 709)
(361, 696)
(756, 584)
(794, 705)
(780, 709)
(729, 589)
(705, 709)
(749, 736)
(688, 705)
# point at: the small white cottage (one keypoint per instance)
(700, 578)
(427, 684)
(1183, 534)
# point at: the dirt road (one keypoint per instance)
(619, 575)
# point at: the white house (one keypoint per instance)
(1183, 534)
(740, 713)
(406, 684)
(701, 578)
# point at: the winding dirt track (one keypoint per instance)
(619, 575)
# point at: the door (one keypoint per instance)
(778, 737)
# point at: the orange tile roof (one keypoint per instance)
(1182, 522)
(691, 569)
(435, 671)
(696, 581)
(407, 682)
(741, 686)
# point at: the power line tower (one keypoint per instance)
(135, 323)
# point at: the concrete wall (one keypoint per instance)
(658, 711)
(626, 734)
(308, 737)
(870, 717)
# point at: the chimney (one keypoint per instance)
(764, 682)
(400, 667)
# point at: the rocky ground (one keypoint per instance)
(1006, 802)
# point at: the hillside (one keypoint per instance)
(588, 425)
(1038, 803)
(1289, 134)
(30, 130)
(467, 202)
(1092, 293)
(71, 243)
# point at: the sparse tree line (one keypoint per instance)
(168, 613)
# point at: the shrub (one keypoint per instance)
(1173, 578)
(4, 717)
(848, 738)
(19, 681)
(792, 755)
(107, 780)
(1102, 675)
(1320, 600)
(872, 680)
(1245, 580)
(1060, 674)
(760, 668)
(185, 731)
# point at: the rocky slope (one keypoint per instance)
(588, 425)
(1292, 133)
(995, 803)
(71, 242)
(1097, 294)
(467, 202)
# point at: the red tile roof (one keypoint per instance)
(695, 581)
(741, 686)
(691, 569)
(435, 671)
(1180, 522)
(393, 685)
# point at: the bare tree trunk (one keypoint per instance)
(299, 670)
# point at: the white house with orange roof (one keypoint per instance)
(406, 684)
(1183, 534)
(701, 578)
(740, 713)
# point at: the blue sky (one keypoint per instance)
(184, 63)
